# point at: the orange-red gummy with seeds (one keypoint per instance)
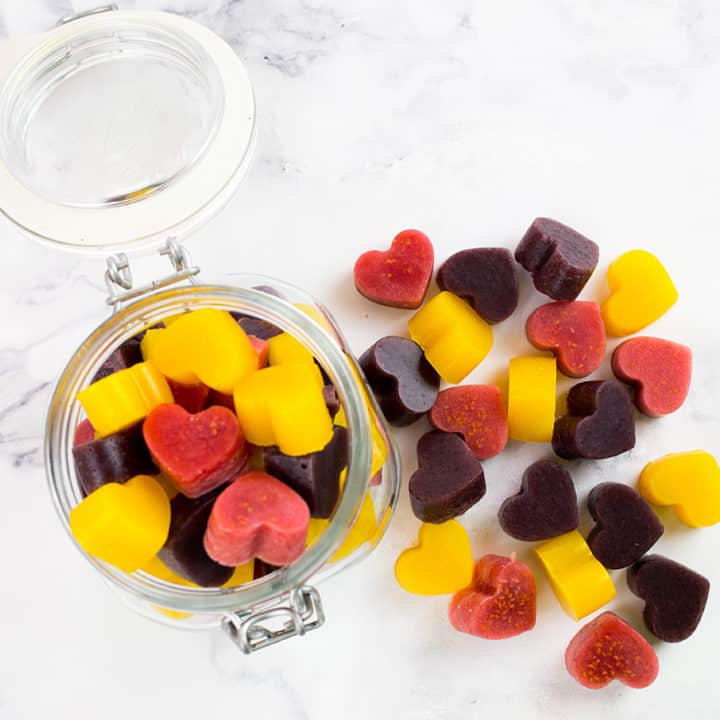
(478, 413)
(608, 649)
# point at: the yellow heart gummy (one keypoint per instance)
(441, 562)
(532, 383)
(453, 336)
(688, 481)
(124, 525)
(581, 583)
(641, 292)
(204, 345)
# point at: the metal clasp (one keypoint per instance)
(86, 13)
(253, 631)
(118, 278)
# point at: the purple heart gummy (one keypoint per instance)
(115, 458)
(560, 259)
(404, 382)
(315, 477)
(545, 507)
(124, 356)
(485, 278)
(600, 422)
(261, 329)
(626, 527)
(449, 479)
(675, 596)
(184, 551)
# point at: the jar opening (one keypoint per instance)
(109, 116)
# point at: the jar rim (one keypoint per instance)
(64, 412)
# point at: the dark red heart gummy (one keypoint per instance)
(84, 433)
(403, 381)
(600, 422)
(398, 277)
(192, 398)
(124, 356)
(675, 596)
(560, 259)
(574, 332)
(660, 371)
(196, 452)
(315, 477)
(114, 458)
(607, 649)
(485, 278)
(184, 552)
(449, 479)
(220, 399)
(545, 507)
(626, 527)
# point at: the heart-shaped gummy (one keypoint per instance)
(675, 596)
(196, 452)
(400, 276)
(404, 382)
(315, 477)
(486, 278)
(608, 649)
(114, 458)
(641, 292)
(689, 482)
(478, 413)
(499, 603)
(575, 333)
(440, 563)
(449, 479)
(659, 369)
(184, 552)
(600, 422)
(559, 259)
(545, 507)
(257, 516)
(626, 527)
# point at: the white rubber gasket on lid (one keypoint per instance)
(178, 207)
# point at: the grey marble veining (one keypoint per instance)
(466, 118)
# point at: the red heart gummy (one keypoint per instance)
(196, 452)
(661, 371)
(478, 413)
(499, 603)
(192, 398)
(575, 333)
(262, 348)
(400, 276)
(257, 516)
(84, 433)
(608, 649)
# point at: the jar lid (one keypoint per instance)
(121, 129)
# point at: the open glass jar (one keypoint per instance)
(145, 193)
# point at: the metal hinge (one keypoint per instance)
(253, 631)
(118, 278)
(86, 13)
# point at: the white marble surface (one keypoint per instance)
(466, 119)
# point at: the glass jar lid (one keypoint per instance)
(121, 129)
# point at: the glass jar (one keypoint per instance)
(283, 595)
(73, 175)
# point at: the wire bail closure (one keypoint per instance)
(118, 276)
